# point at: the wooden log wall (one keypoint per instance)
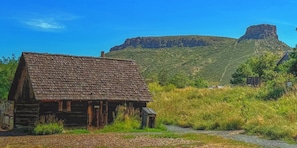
(77, 113)
(79, 106)
(72, 113)
(26, 114)
(139, 105)
(73, 119)
(48, 108)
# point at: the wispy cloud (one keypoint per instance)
(48, 22)
(45, 24)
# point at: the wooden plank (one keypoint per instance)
(60, 108)
(24, 121)
(97, 117)
(68, 106)
(27, 104)
(73, 119)
(79, 106)
(106, 113)
(100, 113)
(90, 113)
(26, 115)
(26, 111)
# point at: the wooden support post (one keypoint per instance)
(100, 113)
(60, 106)
(90, 113)
(106, 113)
(97, 116)
(68, 109)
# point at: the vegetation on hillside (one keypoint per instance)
(263, 66)
(214, 63)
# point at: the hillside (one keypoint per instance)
(212, 58)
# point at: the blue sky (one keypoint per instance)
(87, 27)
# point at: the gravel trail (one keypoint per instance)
(236, 135)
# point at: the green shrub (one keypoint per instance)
(47, 129)
(126, 120)
(273, 90)
(275, 133)
(276, 88)
(155, 88)
(232, 124)
(159, 125)
(214, 125)
(272, 132)
(169, 87)
(48, 125)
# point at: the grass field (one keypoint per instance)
(227, 109)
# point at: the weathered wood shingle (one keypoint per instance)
(58, 77)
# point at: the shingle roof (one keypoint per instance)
(56, 77)
(149, 111)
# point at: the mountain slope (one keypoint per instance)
(212, 58)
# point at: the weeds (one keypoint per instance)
(126, 120)
(166, 135)
(229, 109)
(78, 131)
(48, 125)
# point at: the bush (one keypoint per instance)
(47, 129)
(276, 88)
(48, 125)
(233, 124)
(273, 90)
(126, 119)
(272, 132)
(169, 87)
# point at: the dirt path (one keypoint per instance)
(236, 135)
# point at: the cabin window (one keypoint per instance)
(65, 106)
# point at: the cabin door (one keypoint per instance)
(98, 113)
(96, 117)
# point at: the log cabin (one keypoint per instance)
(81, 91)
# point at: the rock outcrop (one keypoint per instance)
(262, 31)
(163, 42)
(253, 32)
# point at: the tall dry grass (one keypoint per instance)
(227, 109)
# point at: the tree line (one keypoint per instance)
(277, 78)
(8, 67)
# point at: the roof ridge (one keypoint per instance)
(65, 55)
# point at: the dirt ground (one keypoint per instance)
(97, 140)
(94, 140)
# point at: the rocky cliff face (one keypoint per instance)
(253, 32)
(260, 32)
(162, 42)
